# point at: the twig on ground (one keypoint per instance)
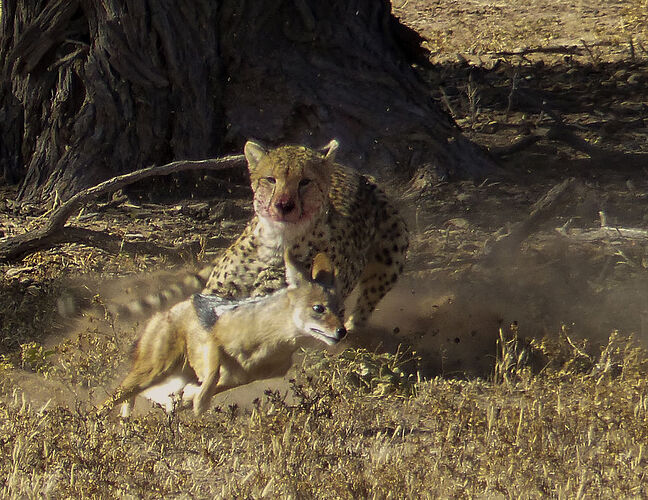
(472, 92)
(446, 100)
(604, 233)
(515, 147)
(643, 49)
(555, 49)
(515, 81)
(595, 60)
(117, 199)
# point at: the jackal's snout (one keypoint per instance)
(328, 335)
(331, 338)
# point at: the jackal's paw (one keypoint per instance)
(189, 392)
(126, 409)
(200, 405)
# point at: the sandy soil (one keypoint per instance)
(481, 27)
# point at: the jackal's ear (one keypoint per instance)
(330, 150)
(254, 153)
(295, 275)
(323, 270)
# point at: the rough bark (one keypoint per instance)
(97, 88)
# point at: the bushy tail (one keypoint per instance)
(159, 351)
(128, 298)
(169, 295)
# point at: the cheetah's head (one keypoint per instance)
(290, 183)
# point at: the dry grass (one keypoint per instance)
(635, 17)
(557, 418)
(574, 430)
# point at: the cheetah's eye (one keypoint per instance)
(304, 182)
(319, 308)
(270, 180)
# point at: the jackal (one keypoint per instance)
(206, 344)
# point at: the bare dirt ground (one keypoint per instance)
(566, 83)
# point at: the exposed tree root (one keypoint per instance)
(54, 232)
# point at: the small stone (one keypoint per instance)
(10, 273)
(460, 59)
(458, 221)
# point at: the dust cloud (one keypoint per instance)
(452, 317)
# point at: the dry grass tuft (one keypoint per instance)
(360, 425)
(635, 17)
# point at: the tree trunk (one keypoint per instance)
(97, 88)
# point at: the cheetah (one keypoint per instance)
(306, 202)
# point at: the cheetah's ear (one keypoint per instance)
(323, 270)
(294, 274)
(254, 153)
(330, 150)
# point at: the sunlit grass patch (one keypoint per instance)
(565, 430)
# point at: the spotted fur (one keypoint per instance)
(305, 201)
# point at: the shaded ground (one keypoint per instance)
(507, 72)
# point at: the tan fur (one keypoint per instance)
(254, 340)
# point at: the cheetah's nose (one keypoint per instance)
(285, 207)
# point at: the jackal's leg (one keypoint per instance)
(137, 380)
(125, 395)
(127, 407)
(209, 377)
(190, 391)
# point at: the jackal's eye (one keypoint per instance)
(270, 180)
(304, 183)
(319, 308)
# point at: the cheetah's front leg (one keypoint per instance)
(378, 277)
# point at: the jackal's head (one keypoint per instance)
(290, 183)
(315, 301)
